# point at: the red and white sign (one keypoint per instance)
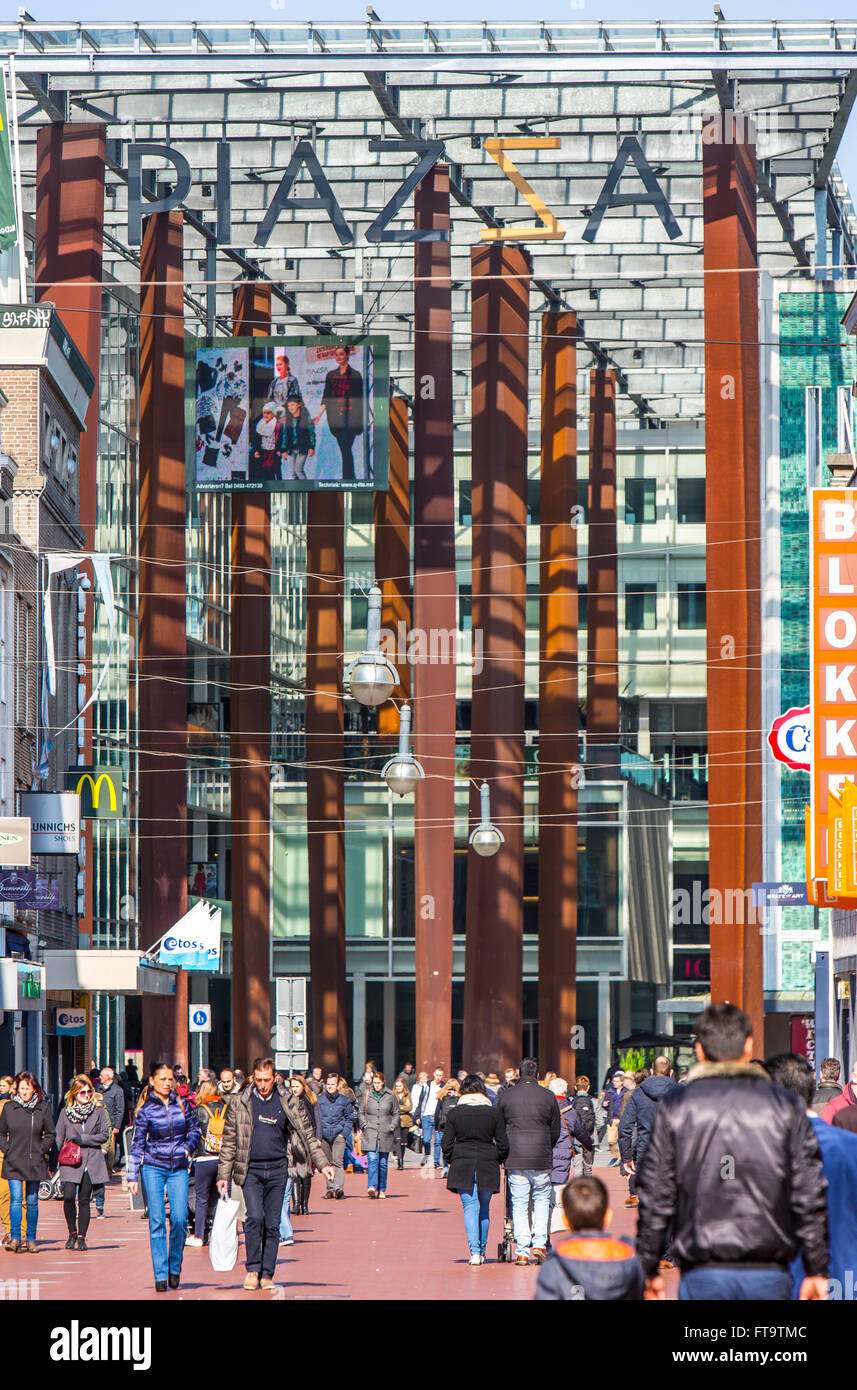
(833, 658)
(790, 739)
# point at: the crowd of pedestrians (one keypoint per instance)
(743, 1173)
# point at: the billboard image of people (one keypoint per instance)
(279, 415)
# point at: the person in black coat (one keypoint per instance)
(474, 1145)
(26, 1136)
(532, 1120)
(448, 1098)
(635, 1123)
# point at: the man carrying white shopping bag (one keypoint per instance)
(254, 1155)
(223, 1243)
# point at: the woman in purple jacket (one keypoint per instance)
(166, 1136)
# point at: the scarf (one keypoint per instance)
(28, 1104)
(79, 1111)
(267, 432)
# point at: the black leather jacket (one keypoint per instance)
(734, 1163)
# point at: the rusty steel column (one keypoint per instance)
(493, 986)
(393, 564)
(732, 564)
(434, 614)
(602, 636)
(250, 735)
(69, 235)
(558, 699)
(68, 266)
(325, 778)
(162, 643)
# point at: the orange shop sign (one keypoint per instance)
(833, 571)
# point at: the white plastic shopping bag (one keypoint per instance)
(223, 1245)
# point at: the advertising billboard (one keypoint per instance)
(99, 789)
(15, 833)
(55, 819)
(22, 986)
(194, 941)
(71, 1023)
(295, 414)
(26, 888)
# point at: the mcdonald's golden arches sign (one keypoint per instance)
(99, 789)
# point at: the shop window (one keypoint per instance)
(690, 496)
(362, 508)
(640, 501)
(641, 607)
(465, 607)
(359, 610)
(691, 606)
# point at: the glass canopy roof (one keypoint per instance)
(636, 283)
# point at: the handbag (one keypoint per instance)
(70, 1155)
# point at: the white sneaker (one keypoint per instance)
(194, 1241)
(382, 1194)
(477, 1259)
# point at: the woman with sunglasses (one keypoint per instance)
(83, 1126)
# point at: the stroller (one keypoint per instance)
(52, 1187)
(506, 1247)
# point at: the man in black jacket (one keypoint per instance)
(113, 1098)
(734, 1165)
(531, 1117)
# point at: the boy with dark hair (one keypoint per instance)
(584, 1262)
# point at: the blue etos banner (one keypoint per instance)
(194, 941)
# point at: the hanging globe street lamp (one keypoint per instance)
(486, 839)
(402, 772)
(371, 679)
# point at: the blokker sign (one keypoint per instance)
(833, 658)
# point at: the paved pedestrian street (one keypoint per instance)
(409, 1246)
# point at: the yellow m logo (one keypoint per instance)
(95, 788)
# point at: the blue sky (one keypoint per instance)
(582, 11)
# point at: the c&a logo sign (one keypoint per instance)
(99, 789)
(789, 739)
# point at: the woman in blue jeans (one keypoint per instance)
(166, 1136)
(26, 1135)
(379, 1120)
(474, 1145)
